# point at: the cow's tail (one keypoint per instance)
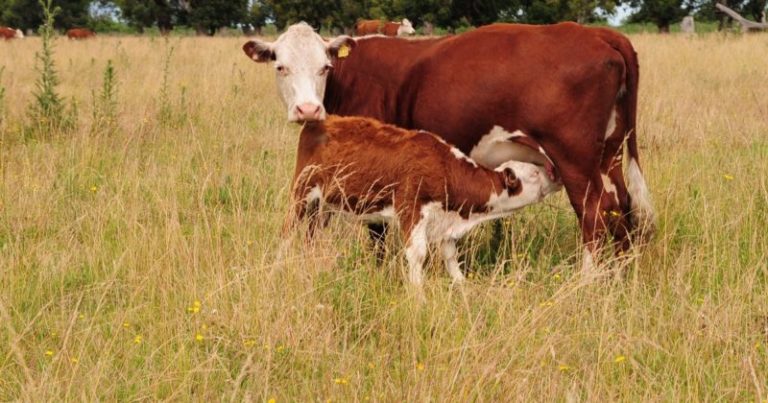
(642, 212)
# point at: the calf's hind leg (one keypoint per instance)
(450, 254)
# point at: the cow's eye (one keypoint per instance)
(325, 69)
(281, 69)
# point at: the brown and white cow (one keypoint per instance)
(80, 33)
(381, 172)
(389, 28)
(562, 96)
(10, 33)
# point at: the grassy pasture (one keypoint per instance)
(143, 264)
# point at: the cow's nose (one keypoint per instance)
(308, 111)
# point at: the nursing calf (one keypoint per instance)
(381, 172)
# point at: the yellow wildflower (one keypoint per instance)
(74, 360)
(126, 325)
(272, 400)
(341, 381)
(556, 276)
(619, 359)
(94, 188)
(546, 304)
(138, 339)
(81, 316)
(249, 342)
(49, 353)
(563, 368)
(195, 308)
(199, 338)
(728, 177)
(615, 213)
(420, 366)
(280, 348)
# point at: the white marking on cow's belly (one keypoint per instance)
(494, 149)
(610, 187)
(611, 124)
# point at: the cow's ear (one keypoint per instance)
(341, 46)
(259, 51)
(511, 181)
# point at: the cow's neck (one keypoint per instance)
(367, 82)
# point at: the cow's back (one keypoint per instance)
(367, 27)
(463, 86)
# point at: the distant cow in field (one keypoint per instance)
(561, 96)
(383, 173)
(370, 27)
(10, 33)
(80, 33)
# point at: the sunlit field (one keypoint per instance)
(145, 260)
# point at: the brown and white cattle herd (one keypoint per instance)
(439, 134)
(548, 105)
(10, 33)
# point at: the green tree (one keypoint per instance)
(142, 14)
(663, 13)
(28, 14)
(258, 15)
(207, 16)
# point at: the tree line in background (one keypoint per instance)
(209, 16)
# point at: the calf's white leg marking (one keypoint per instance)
(450, 254)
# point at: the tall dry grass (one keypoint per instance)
(148, 263)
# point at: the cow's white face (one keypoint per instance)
(19, 34)
(302, 62)
(406, 28)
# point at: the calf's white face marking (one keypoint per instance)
(19, 34)
(535, 185)
(302, 62)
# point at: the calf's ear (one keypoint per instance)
(259, 51)
(511, 181)
(340, 46)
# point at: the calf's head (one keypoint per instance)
(19, 34)
(524, 184)
(302, 61)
